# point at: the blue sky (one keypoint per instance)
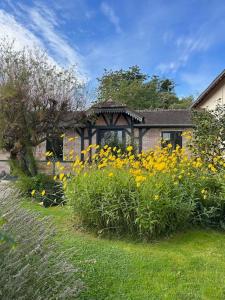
(180, 39)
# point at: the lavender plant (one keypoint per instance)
(31, 267)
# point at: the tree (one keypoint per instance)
(183, 103)
(135, 89)
(208, 139)
(35, 95)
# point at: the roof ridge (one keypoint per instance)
(159, 109)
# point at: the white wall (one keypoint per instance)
(215, 97)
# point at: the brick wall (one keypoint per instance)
(40, 151)
(152, 137)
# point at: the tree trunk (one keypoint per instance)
(27, 160)
(23, 162)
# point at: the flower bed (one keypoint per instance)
(147, 195)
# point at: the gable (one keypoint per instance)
(213, 94)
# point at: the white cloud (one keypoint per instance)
(110, 14)
(184, 48)
(58, 45)
(12, 30)
(40, 30)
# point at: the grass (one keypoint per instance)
(190, 265)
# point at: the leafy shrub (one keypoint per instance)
(31, 267)
(44, 188)
(149, 195)
(117, 204)
(209, 195)
(102, 201)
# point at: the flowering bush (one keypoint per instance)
(149, 194)
(42, 188)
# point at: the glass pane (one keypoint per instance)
(111, 137)
(166, 136)
(174, 138)
(55, 145)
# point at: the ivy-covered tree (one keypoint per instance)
(35, 95)
(137, 90)
(208, 139)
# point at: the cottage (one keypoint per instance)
(114, 123)
(110, 122)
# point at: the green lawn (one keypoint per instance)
(190, 265)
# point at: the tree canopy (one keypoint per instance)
(34, 96)
(137, 90)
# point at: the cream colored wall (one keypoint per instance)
(215, 97)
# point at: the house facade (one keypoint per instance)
(110, 122)
(113, 123)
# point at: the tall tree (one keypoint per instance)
(35, 95)
(137, 90)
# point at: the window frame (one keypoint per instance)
(51, 140)
(172, 143)
(100, 130)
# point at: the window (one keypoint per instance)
(172, 137)
(55, 145)
(112, 138)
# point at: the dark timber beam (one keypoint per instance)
(82, 144)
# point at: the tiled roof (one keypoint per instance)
(154, 118)
(177, 117)
(111, 106)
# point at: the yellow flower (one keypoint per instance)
(129, 148)
(43, 193)
(169, 146)
(71, 139)
(140, 178)
(156, 197)
(33, 192)
(111, 174)
(49, 153)
(61, 175)
(160, 166)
